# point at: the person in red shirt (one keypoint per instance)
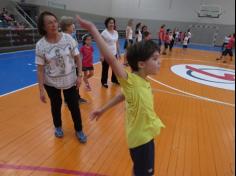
(87, 62)
(166, 41)
(161, 34)
(228, 49)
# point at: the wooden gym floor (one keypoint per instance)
(198, 139)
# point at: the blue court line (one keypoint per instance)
(17, 69)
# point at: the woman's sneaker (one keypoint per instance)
(105, 85)
(58, 132)
(81, 136)
(82, 101)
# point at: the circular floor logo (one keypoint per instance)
(207, 75)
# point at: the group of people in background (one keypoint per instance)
(8, 20)
(168, 38)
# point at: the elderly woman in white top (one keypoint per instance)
(110, 35)
(55, 58)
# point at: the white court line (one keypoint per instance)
(97, 63)
(193, 95)
(18, 90)
(188, 96)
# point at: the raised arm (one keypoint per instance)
(116, 100)
(108, 56)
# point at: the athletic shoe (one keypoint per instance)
(81, 136)
(82, 101)
(116, 82)
(58, 132)
(105, 85)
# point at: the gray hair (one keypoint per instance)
(65, 22)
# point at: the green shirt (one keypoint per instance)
(142, 123)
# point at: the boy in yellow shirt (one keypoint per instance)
(142, 123)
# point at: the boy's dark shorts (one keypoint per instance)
(143, 159)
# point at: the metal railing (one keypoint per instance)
(10, 38)
(18, 37)
(27, 18)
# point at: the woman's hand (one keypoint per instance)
(43, 97)
(79, 81)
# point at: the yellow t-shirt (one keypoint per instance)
(142, 123)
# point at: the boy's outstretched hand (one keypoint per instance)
(84, 23)
(96, 114)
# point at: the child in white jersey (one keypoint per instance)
(185, 42)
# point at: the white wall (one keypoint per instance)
(99, 7)
(165, 10)
(172, 10)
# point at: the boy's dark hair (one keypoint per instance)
(84, 37)
(108, 20)
(40, 24)
(140, 51)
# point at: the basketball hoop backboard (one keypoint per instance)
(210, 11)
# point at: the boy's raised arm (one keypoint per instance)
(108, 56)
